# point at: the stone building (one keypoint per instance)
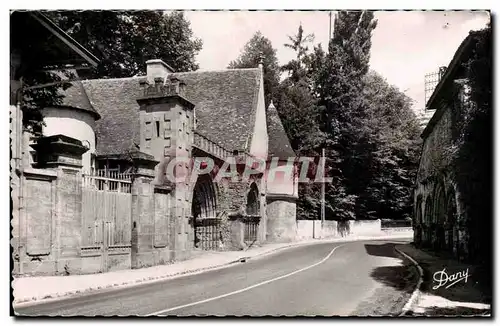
(98, 184)
(440, 220)
(36, 43)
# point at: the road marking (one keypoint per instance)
(247, 288)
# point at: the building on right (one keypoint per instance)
(453, 190)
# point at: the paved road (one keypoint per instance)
(356, 278)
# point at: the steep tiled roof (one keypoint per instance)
(115, 99)
(225, 104)
(279, 144)
(76, 97)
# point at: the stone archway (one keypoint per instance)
(418, 220)
(427, 220)
(252, 218)
(204, 212)
(439, 217)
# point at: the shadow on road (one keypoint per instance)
(401, 277)
(477, 287)
(453, 301)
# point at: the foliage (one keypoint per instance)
(341, 82)
(296, 103)
(474, 140)
(257, 48)
(125, 40)
(35, 99)
(369, 132)
(396, 148)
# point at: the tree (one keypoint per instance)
(340, 86)
(296, 102)
(34, 100)
(125, 40)
(256, 48)
(298, 43)
(393, 163)
(298, 110)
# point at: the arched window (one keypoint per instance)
(451, 220)
(451, 208)
(440, 205)
(253, 201)
(428, 210)
(418, 210)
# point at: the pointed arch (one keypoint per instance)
(439, 213)
(204, 203)
(418, 209)
(418, 220)
(439, 217)
(452, 237)
(253, 202)
(428, 210)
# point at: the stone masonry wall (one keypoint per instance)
(435, 172)
(435, 155)
(281, 222)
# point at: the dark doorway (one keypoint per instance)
(207, 235)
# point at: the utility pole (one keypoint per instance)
(330, 26)
(323, 188)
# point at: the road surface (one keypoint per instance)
(327, 279)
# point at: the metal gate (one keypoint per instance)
(251, 228)
(106, 212)
(207, 233)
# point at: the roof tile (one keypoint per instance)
(224, 102)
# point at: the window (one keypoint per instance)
(157, 128)
(148, 132)
(168, 125)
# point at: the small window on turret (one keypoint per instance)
(157, 128)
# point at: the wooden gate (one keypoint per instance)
(106, 213)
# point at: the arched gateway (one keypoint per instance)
(204, 212)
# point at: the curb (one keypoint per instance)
(326, 240)
(416, 293)
(148, 280)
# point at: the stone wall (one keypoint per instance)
(47, 222)
(437, 197)
(281, 222)
(364, 227)
(435, 150)
(232, 198)
(308, 229)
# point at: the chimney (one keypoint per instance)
(261, 60)
(156, 68)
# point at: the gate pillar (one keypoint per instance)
(63, 155)
(142, 210)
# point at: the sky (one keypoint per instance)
(406, 45)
